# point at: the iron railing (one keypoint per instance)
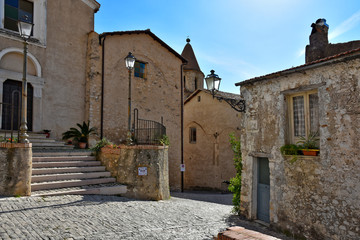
(8, 123)
(147, 132)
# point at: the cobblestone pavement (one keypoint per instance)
(184, 216)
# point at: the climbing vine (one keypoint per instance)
(235, 182)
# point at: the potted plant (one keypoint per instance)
(291, 149)
(310, 144)
(81, 135)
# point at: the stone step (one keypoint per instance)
(49, 144)
(39, 171)
(63, 158)
(241, 233)
(101, 189)
(68, 176)
(37, 136)
(65, 164)
(69, 183)
(54, 148)
(60, 152)
(44, 140)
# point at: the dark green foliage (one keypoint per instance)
(100, 144)
(290, 149)
(235, 183)
(79, 135)
(165, 141)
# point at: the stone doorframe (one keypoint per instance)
(36, 81)
(254, 180)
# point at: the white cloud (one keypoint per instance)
(301, 52)
(345, 26)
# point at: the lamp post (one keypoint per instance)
(25, 32)
(129, 62)
(212, 82)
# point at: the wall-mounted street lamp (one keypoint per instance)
(213, 83)
(25, 29)
(129, 62)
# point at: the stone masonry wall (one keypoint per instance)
(15, 169)
(316, 197)
(124, 164)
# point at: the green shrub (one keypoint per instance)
(235, 182)
(100, 144)
(165, 141)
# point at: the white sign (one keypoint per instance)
(182, 167)
(142, 171)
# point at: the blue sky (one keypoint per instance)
(239, 39)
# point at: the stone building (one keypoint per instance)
(156, 87)
(77, 75)
(56, 60)
(208, 157)
(314, 197)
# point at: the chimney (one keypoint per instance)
(318, 41)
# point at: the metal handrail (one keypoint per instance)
(12, 105)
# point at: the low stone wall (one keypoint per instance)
(15, 169)
(144, 169)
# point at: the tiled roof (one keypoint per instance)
(147, 31)
(321, 62)
(217, 94)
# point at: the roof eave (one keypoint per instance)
(319, 63)
(152, 35)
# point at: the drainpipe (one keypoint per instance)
(102, 86)
(182, 124)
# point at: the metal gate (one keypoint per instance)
(147, 132)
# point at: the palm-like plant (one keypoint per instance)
(310, 142)
(79, 135)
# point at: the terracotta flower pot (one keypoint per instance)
(310, 152)
(82, 145)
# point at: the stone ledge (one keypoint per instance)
(302, 157)
(15, 145)
(118, 149)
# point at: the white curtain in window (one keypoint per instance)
(299, 116)
(314, 113)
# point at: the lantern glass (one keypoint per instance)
(212, 81)
(130, 61)
(25, 29)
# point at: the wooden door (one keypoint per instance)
(12, 94)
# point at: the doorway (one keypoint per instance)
(12, 93)
(263, 190)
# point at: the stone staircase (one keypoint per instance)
(59, 170)
(39, 141)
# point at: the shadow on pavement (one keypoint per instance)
(213, 197)
(58, 201)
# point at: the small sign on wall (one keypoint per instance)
(142, 171)
(182, 167)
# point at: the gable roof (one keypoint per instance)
(148, 32)
(345, 56)
(219, 94)
(93, 4)
(189, 55)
